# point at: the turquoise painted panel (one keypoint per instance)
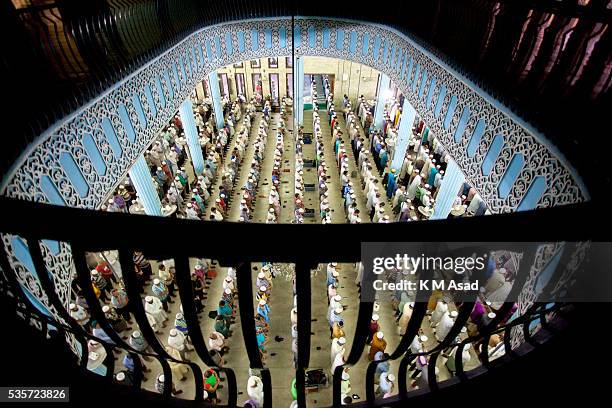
(150, 101)
(241, 46)
(511, 174)
(218, 49)
(297, 36)
(353, 42)
(440, 101)
(547, 273)
(422, 84)
(463, 121)
(366, 44)
(376, 50)
(142, 118)
(51, 192)
(430, 91)
(339, 39)
(268, 37)
(282, 35)
(326, 37)
(404, 65)
(183, 68)
(393, 52)
(111, 136)
(127, 123)
(74, 173)
(229, 47)
(385, 52)
(537, 188)
(452, 105)
(94, 154)
(409, 71)
(417, 75)
(209, 55)
(312, 37)
(494, 150)
(479, 130)
(54, 246)
(22, 253)
(169, 85)
(177, 78)
(201, 54)
(254, 40)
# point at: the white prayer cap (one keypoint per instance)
(253, 381)
(345, 376)
(375, 317)
(263, 288)
(149, 299)
(189, 205)
(386, 217)
(271, 210)
(337, 298)
(228, 291)
(301, 211)
(199, 266)
(72, 306)
(136, 334)
(379, 335)
(179, 315)
(453, 314)
(491, 315)
(427, 186)
(423, 338)
(262, 302)
(341, 341)
(334, 264)
(159, 168)
(156, 281)
(391, 377)
(411, 304)
(242, 201)
(338, 310)
(94, 272)
(110, 201)
(120, 376)
(161, 378)
(105, 308)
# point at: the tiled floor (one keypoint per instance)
(279, 359)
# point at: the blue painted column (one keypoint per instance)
(143, 182)
(215, 95)
(451, 183)
(404, 133)
(298, 90)
(384, 83)
(191, 133)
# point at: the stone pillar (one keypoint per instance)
(404, 133)
(215, 95)
(191, 133)
(449, 188)
(384, 83)
(143, 182)
(298, 90)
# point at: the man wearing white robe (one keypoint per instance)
(154, 307)
(337, 346)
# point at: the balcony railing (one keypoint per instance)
(34, 222)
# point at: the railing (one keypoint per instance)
(544, 59)
(34, 222)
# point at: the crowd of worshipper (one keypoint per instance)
(264, 283)
(273, 215)
(336, 328)
(248, 192)
(438, 324)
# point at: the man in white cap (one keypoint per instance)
(191, 213)
(345, 385)
(155, 309)
(160, 290)
(385, 385)
(255, 390)
(373, 327)
(378, 344)
(177, 340)
(337, 346)
(436, 316)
